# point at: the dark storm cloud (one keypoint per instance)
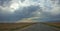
(22, 0)
(2, 2)
(51, 12)
(48, 10)
(26, 12)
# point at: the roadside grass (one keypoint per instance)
(17, 28)
(57, 25)
(13, 26)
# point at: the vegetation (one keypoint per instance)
(54, 24)
(13, 26)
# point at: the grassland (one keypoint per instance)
(54, 24)
(13, 26)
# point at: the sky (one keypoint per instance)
(29, 10)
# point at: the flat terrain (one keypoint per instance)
(54, 24)
(13, 26)
(27, 27)
(39, 27)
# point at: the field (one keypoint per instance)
(54, 24)
(13, 26)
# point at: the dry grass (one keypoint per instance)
(13, 26)
(54, 24)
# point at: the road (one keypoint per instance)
(39, 27)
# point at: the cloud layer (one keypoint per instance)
(39, 10)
